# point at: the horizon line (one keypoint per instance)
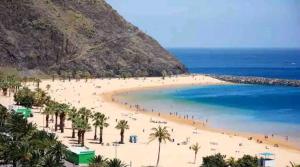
(274, 48)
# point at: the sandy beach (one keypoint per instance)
(98, 95)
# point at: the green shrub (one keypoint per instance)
(247, 161)
(217, 160)
(24, 97)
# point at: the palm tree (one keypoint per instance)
(48, 87)
(58, 150)
(98, 161)
(25, 80)
(231, 162)
(72, 114)
(37, 81)
(103, 124)
(17, 86)
(16, 149)
(69, 74)
(78, 75)
(196, 147)
(161, 134)
(60, 110)
(85, 113)
(13, 83)
(3, 115)
(47, 151)
(43, 139)
(63, 74)
(96, 123)
(64, 109)
(82, 126)
(24, 153)
(19, 126)
(55, 107)
(122, 125)
(87, 75)
(7, 83)
(4, 85)
(116, 163)
(24, 145)
(40, 98)
(56, 117)
(50, 151)
(164, 74)
(48, 111)
(100, 121)
(77, 122)
(54, 75)
(49, 160)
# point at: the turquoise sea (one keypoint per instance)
(246, 108)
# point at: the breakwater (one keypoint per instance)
(257, 80)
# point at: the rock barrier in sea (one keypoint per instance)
(257, 80)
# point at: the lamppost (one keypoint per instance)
(43, 117)
(116, 148)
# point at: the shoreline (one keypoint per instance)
(198, 124)
(97, 94)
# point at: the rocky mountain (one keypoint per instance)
(77, 37)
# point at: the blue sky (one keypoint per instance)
(216, 23)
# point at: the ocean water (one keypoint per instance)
(247, 108)
(271, 63)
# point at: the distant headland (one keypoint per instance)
(257, 80)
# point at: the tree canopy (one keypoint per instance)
(22, 144)
(220, 161)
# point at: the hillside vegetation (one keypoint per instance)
(69, 37)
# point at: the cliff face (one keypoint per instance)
(59, 36)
